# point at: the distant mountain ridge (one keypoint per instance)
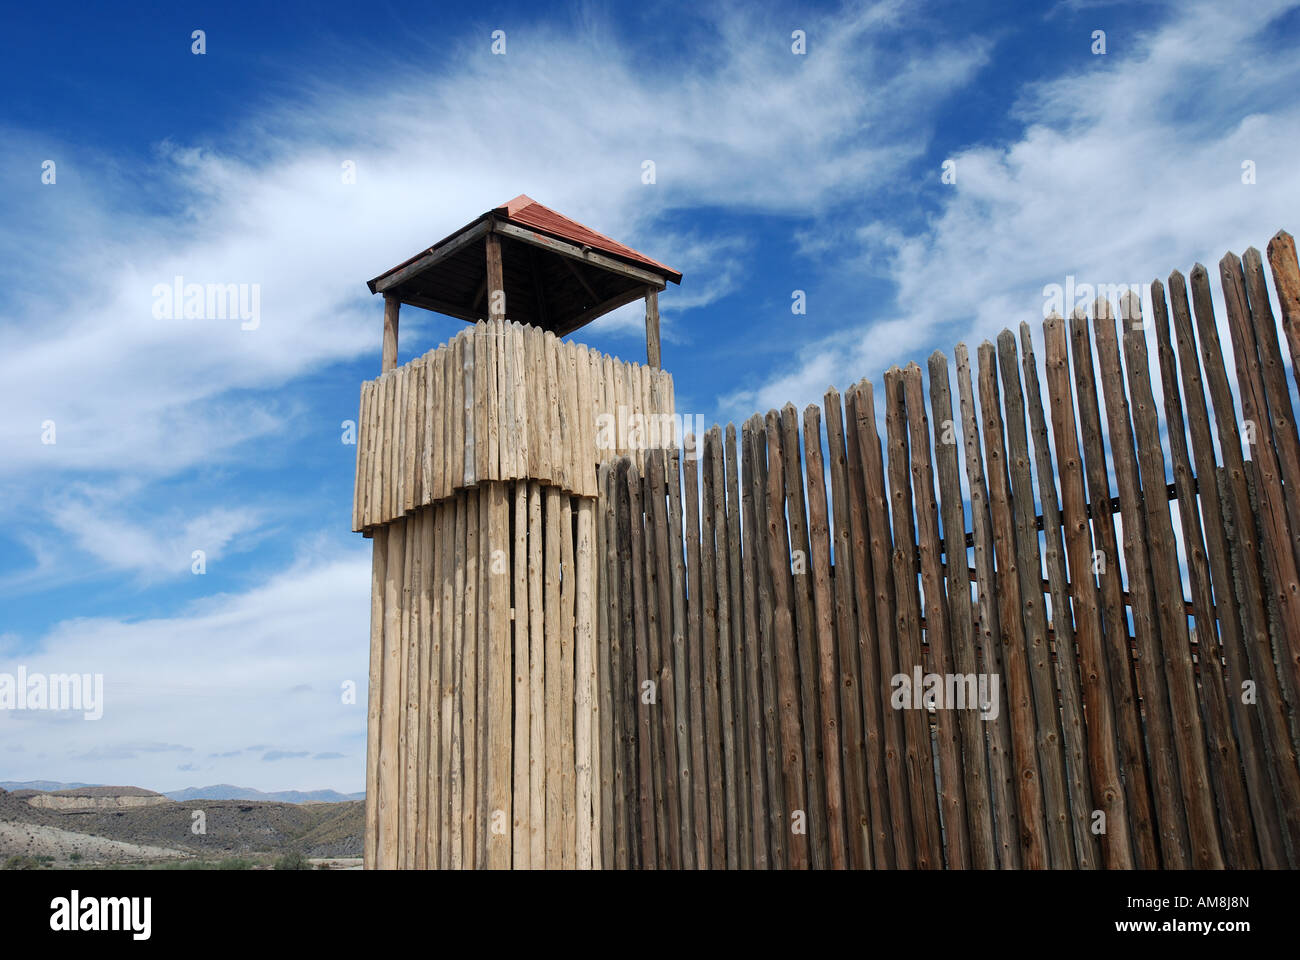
(216, 791)
(227, 791)
(48, 785)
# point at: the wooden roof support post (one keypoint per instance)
(652, 327)
(538, 293)
(496, 287)
(391, 306)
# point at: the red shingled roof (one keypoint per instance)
(527, 212)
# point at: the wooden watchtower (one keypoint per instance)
(476, 478)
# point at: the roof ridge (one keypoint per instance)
(541, 214)
(511, 207)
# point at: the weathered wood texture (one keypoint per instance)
(790, 646)
(521, 392)
(484, 747)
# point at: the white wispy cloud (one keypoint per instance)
(1127, 166)
(191, 689)
(160, 548)
(737, 121)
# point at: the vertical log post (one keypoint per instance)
(652, 327)
(389, 356)
(496, 287)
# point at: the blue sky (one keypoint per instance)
(774, 172)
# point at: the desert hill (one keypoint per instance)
(114, 825)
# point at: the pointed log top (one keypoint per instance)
(1130, 306)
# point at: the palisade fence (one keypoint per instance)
(1146, 698)
(1007, 634)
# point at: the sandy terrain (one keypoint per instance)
(35, 840)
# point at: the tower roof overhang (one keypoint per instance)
(557, 273)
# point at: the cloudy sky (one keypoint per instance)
(775, 172)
